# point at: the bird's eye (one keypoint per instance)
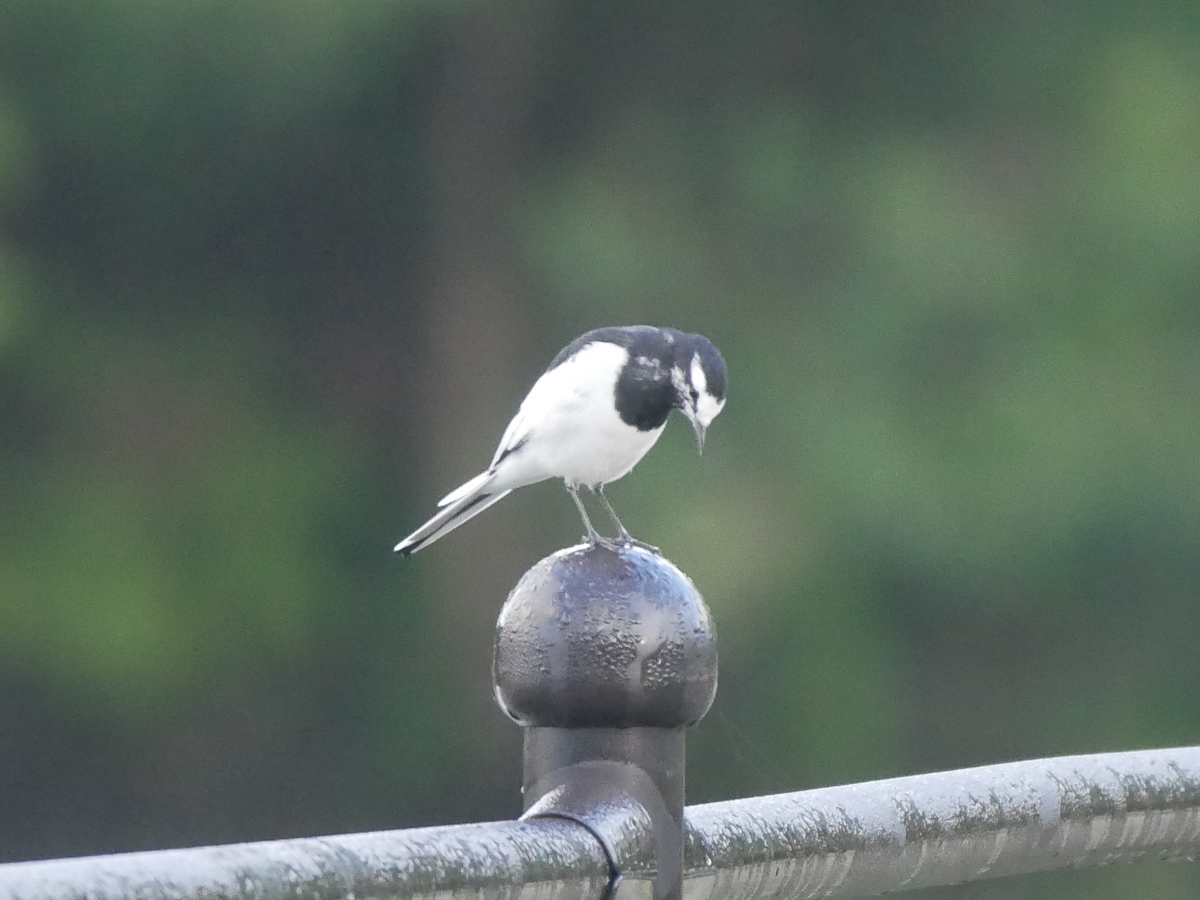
(695, 396)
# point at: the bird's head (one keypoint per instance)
(699, 380)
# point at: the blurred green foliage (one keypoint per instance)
(274, 275)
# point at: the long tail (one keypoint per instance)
(457, 507)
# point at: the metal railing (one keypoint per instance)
(605, 657)
(853, 841)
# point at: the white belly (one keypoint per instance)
(595, 454)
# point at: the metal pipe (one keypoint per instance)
(947, 828)
(856, 840)
(545, 860)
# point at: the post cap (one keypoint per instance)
(598, 638)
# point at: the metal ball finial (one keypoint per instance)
(593, 637)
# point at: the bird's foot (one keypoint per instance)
(615, 545)
(597, 540)
(628, 540)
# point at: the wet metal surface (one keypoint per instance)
(658, 752)
(592, 637)
(947, 828)
(620, 804)
(848, 841)
(544, 860)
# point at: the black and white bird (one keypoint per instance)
(595, 412)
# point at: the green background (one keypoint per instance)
(274, 275)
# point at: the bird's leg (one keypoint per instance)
(623, 533)
(593, 536)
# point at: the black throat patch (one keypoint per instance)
(645, 394)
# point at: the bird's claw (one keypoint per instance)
(596, 540)
(629, 541)
(615, 544)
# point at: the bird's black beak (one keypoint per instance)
(698, 427)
